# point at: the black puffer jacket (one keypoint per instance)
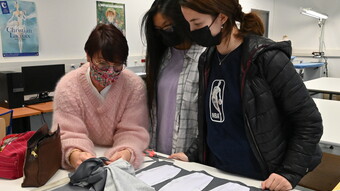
(283, 124)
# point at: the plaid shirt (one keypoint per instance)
(185, 126)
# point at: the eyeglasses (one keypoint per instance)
(107, 66)
(168, 28)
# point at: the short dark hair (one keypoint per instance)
(109, 41)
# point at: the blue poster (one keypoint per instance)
(19, 29)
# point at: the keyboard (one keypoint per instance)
(37, 100)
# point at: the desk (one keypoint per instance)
(330, 116)
(42, 107)
(324, 85)
(60, 177)
(21, 121)
(311, 70)
(21, 112)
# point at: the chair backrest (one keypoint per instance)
(325, 176)
(2, 128)
(7, 116)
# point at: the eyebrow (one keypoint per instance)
(195, 19)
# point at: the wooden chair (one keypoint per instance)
(325, 176)
(7, 118)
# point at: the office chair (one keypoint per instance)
(7, 117)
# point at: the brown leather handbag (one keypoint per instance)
(43, 157)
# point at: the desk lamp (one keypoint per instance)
(321, 23)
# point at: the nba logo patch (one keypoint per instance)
(4, 7)
(216, 101)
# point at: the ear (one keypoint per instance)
(223, 18)
(88, 59)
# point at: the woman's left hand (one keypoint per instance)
(276, 182)
(124, 154)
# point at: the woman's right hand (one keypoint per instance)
(179, 156)
(77, 157)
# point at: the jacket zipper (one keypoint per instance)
(262, 163)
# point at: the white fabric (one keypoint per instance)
(121, 177)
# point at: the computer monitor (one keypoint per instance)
(41, 79)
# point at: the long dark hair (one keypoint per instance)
(250, 22)
(155, 49)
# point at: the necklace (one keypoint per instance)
(219, 60)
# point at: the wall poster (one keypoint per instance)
(114, 13)
(19, 28)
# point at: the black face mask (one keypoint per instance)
(170, 39)
(204, 38)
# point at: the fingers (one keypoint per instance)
(179, 156)
(276, 182)
(124, 154)
(268, 182)
(115, 157)
(78, 157)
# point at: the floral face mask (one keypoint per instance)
(104, 75)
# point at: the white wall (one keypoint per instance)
(266, 5)
(304, 32)
(64, 26)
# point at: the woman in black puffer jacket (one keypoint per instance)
(256, 117)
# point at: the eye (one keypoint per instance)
(168, 28)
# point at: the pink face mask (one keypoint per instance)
(105, 76)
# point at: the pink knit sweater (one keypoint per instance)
(119, 121)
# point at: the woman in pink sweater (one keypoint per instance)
(102, 104)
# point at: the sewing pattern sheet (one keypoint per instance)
(196, 181)
(158, 174)
(230, 186)
(165, 176)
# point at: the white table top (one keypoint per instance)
(329, 110)
(324, 85)
(60, 178)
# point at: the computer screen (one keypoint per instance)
(43, 78)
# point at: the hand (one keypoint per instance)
(276, 182)
(179, 156)
(77, 157)
(124, 154)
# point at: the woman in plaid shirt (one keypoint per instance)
(172, 77)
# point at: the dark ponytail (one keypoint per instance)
(251, 23)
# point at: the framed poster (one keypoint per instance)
(111, 13)
(264, 15)
(19, 29)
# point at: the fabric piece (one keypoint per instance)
(198, 181)
(158, 174)
(90, 173)
(185, 127)
(166, 100)
(121, 177)
(93, 175)
(118, 121)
